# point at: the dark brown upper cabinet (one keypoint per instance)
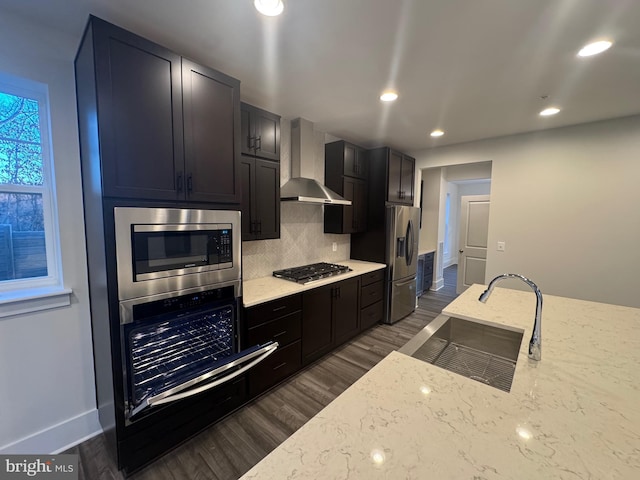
(260, 182)
(211, 134)
(260, 173)
(345, 171)
(354, 160)
(260, 133)
(156, 126)
(394, 172)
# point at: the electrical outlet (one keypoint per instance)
(501, 246)
(334, 246)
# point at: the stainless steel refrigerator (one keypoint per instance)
(393, 239)
(402, 230)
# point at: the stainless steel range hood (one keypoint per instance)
(302, 187)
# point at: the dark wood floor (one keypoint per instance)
(231, 447)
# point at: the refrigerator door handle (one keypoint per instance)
(406, 282)
(410, 241)
(401, 247)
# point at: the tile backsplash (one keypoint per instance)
(302, 238)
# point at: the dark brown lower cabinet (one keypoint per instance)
(317, 328)
(310, 325)
(330, 316)
(276, 367)
(346, 311)
(371, 299)
(278, 321)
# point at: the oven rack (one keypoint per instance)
(172, 352)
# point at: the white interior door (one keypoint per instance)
(474, 230)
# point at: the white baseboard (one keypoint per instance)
(449, 261)
(57, 438)
(438, 284)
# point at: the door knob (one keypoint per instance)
(460, 251)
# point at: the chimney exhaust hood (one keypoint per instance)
(302, 187)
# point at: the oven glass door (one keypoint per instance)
(170, 358)
(167, 248)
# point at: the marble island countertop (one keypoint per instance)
(573, 415)
(264, 289)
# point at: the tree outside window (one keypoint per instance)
(23, 245)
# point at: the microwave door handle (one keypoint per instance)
(164, 398)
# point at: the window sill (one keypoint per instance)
(33, 300)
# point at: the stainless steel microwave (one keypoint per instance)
(162, 250)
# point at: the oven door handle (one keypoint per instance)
(163, 398)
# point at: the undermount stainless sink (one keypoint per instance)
(483, 352)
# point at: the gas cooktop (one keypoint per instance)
(309, 273)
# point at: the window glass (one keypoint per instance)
(24, 224)
(20, 143)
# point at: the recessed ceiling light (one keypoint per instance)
(594, 48)
(270, 8)
(437, 133)
(388, 96)
(547, 112)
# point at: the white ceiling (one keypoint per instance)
(475, 68)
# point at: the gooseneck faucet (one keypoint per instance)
(535, 344)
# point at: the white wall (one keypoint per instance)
(302, 238)
(450, 253)
(430, 209)
(47, 394)
(565, 201)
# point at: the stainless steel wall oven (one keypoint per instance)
(180, 346)
(176, 342)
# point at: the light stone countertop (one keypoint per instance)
(573, 415)
(424, 252)
(264, 289)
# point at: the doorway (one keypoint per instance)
(441, 203)
(473, 232)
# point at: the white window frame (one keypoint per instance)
(37, 293)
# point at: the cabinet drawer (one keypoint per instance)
(371, 315)
(283, 330)
(428, 263)
(428, 280)
(372, 277)
(268, 311)
(279, 365)
(371, 294)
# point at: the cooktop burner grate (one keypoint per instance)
(312, 272)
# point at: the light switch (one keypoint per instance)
(334, 246)
(501, 246)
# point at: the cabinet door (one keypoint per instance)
(407, 179)
(267, 199)
(354, 161)
(317, 330)
(246, 132)
(211, 133)
(140, 115)
(360, 205)
(362, 165)
(349, 193)
(247, 204)
(267, 134)
(394, 173)
(346, 310)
